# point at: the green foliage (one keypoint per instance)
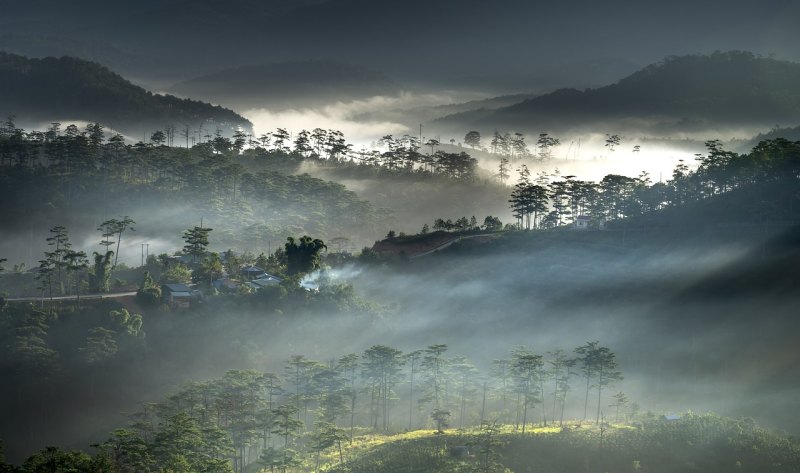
(381, 369)
(52, 459)
(486, 444)
(125, 322)
(210, 268)
(303, 255)
(100, 346)
(128, 451)
(178, 273)
(368, 256)
(196, 239)
(115, 227)
(238, 192)
(441, 419)
(149, 293)
(101, 277)
(181, 444)
(27, 331)
(695, 443)
(492, 223)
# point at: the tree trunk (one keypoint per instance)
(586, 403)
(524, 413)
(544, 411)
(411, 399)
(599, 392)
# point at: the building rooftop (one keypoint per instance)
(176, 288)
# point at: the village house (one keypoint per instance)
(253, 272)
(225, 285)
(178, 296)
(266, 280)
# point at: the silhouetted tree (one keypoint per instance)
(115, 227)
(303, 254)
(473, 139)
(196, 239)
(545, 144)
(525, 367)
(381, 368)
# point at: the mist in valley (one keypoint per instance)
(339, 235)
(681, 347)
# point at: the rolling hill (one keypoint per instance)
(689, 443)
(48, 89)
(686, 93)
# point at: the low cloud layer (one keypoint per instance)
(351, 118)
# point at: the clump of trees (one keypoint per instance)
(513, 147)
(554, 200)
(28, 343)
(237, 182)
(464, 224)
(277, 420)
(303, 255)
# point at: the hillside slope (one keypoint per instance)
(686, 93)
(43, 90)
(691, 443)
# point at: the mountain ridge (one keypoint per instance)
(732, 88)
(71, 88)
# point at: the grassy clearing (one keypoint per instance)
(694, 443)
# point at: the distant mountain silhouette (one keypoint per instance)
(450, 42)
(287, 84)
(73, 89)
(744, 146)
(678, 94)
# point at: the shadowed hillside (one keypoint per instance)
(41, 90)
(678, 94)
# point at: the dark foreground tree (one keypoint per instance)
(303, 254)
(473, 139)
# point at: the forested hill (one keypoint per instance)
(287, 84)
(40, 90)
(686, 92)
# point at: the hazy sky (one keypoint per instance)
(411, 39)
